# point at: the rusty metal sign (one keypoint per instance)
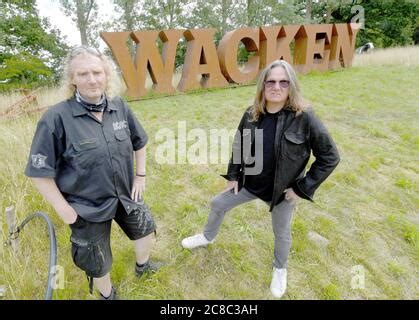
(308, 47)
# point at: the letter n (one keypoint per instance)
(343, 45)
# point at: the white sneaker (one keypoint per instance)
(197, 240)
(279, 282)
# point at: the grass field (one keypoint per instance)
(367, 210)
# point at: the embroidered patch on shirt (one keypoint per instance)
(38, 160)
(118, 125)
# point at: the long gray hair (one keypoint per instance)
(295, 100)
(114, 84)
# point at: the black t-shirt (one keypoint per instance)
(261, 185)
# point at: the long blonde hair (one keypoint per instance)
(295, 100)
(114, 85)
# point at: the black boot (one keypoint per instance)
(148, 267)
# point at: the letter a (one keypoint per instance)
(201, 60)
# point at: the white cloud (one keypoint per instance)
(51, 10)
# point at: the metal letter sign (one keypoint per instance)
(316, 47)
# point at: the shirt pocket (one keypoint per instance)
(295, 145)
(123, 142)
(87, 153)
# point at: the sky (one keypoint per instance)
(51, 10)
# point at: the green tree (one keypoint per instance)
(128, 10)
(85, 14)
(164, 14)
(167, 14)
(322, 10)
(127, 19)
(26, 38)
(24, 71)
(219, 14)
(256, 13)
(387, 23)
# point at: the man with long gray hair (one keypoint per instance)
(82, 162)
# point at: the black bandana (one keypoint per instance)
(95, 107)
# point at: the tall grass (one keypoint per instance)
(367, 209)
(406, 56)
(44, 97)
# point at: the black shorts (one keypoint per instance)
(91, 248)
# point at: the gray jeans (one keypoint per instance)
(281, 221)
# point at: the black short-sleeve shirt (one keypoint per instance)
(92, 162)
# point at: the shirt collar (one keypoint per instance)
(112, 105)
(78, 110)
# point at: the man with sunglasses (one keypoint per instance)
(276, 137)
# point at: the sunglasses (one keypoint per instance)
(282, 83)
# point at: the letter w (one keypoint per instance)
(147, 58)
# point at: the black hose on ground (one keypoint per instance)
(52, 248)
